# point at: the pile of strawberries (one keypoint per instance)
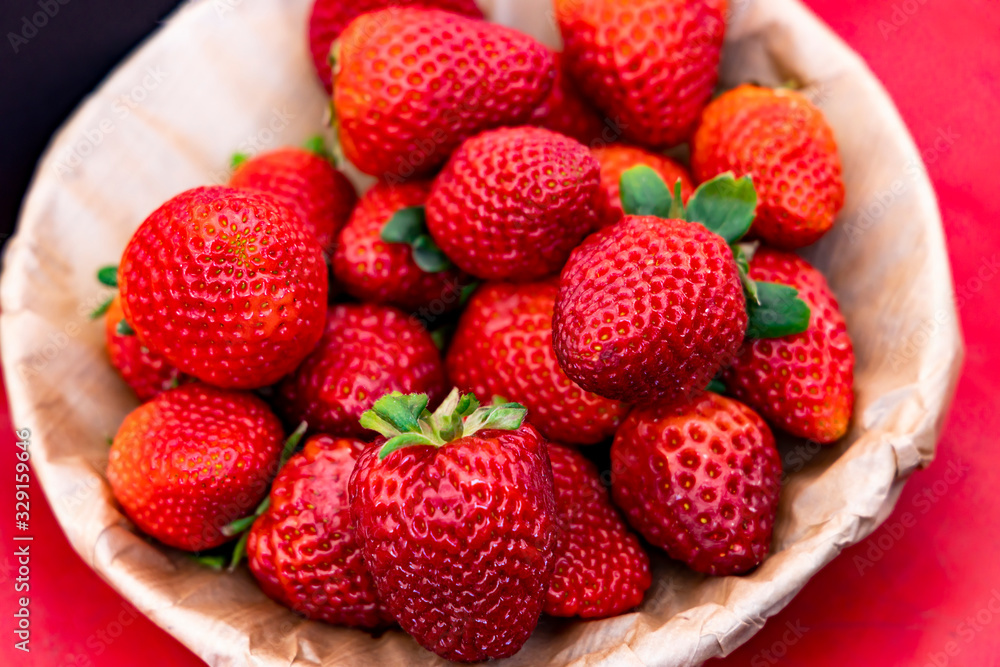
(532, 285)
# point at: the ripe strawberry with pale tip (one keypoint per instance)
(366, 351)
(781, 140)
(328, 18)
(649, 65)
(601, 569)
(226, 285)
(146, 373)
(303, 550)
(699, 479)
(457, 520)
(567, 112)
(801, 383)
(615, 160)
(306, 182)
(503, 347)
(192, 460)
(410, 85)
(512, 203)
(384, 253)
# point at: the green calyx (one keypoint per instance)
(405, 420)
(316, 145)
(237, 160)
(725, 205)
(107, 276)
(409, 226)
(241, 527)
(123, 328)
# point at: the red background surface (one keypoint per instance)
(924, 589)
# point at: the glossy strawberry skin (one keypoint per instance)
(307, 183)
(226, 285)
(303, 550)
(601, 569)
(615, 160)
(781, 140)
(328, 18)
(146, 373)
(802, 384)
(567, 112)
(374, 270)
(648, 308)
(699, 479)
(193, 460)
(650, 65)
(503, 347)
(366, 351)
(402, 114)
(512, 203)
(459, 539)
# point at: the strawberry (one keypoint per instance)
(781, 140)
(304, 181)
(457, 521)
(801, 383)
(648, 308)
(372, 268)
(699, 479)
(410, 85)
(615, 160)
(328, 18)
(601, 569)
(366, 352)
(649, 65)
(512, 203)
(503, 347)
(226, 286)
(192, 460)
(148, 374)
(567, 112)
(303, 551)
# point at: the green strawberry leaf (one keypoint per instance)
(124, 329)
(291, 444)
(216, 563)
(780, 312)
(677, 210)
(643, 192)
(238, 159)
(743, 268)
(404, 440)
(405, 226)
(316, 145)
(467, 292)
(102, 309)
(428, 256)
(108, 275)
(239, 551)
(716, 386)
(725, 205)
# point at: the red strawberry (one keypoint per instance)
(457, 523)
(192, 460)
(372, 269)
(411, 85)
(226, 285)
(601, 569)
(147, 373)
(503, 347)
(512, 203)
(366, 352)
(567, 112)
(615, 160)
(699, 479)
(302, 549)
(648, 308)
(650, 65)
(304, 181)
(780, 139)
(328, 19)
(801, 383)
